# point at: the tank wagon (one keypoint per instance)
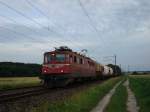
(63, 66)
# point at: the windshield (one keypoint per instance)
(57, 58)
(60, 57)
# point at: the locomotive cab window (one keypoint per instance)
(48, 58)
(60, 57)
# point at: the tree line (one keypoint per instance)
(11, 69)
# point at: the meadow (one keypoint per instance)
(81, 101)
(140, 85)
(118, 100)
(18, 82)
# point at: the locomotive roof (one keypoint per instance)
(70, 52)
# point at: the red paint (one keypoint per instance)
(84, 68)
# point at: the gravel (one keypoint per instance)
(57, 94)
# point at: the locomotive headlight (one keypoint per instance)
(61, 71)
(45, 71)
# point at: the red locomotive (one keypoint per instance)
(63, 66)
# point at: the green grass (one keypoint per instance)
(140, 85)
(18, 82)
(118, 100)
(82, 101)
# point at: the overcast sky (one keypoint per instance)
(28, 28)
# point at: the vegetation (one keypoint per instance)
(141, 87)
(18, 82)
(9, 69)
(140, 73)
(116, 69)
(82, 101)
(135, 73)
(118, 100)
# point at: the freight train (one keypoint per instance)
(63, 66)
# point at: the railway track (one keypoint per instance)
(21, 93)
(13, 95)
(20, 101)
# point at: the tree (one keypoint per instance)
(116, 69)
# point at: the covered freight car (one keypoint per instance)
(99, 69)
(107, 71)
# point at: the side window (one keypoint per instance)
(71, 59)
(67, 57)
(88, 63)
(75, 59)
(45, 59)
(78, 60)
(91, 64)
(85, 61)
(81, 61)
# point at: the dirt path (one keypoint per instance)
(104, 102)
(131, 102)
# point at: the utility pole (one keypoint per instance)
(128, 69)
(115, 61)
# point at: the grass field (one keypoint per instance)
(118, 100)
(140, 76)
(18, 82)
(82, 101)
(141, 87)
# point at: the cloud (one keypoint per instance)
(123, 29)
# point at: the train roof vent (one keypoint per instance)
(63, 48)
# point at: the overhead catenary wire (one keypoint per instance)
(89, 18)
(15, 22)
(90, 22)
(27, 17)
(36, 8)
(41, 12)
(22, 34)
(93, 25)
(20, 13)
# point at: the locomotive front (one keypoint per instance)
(55, 64)
(56, 68)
